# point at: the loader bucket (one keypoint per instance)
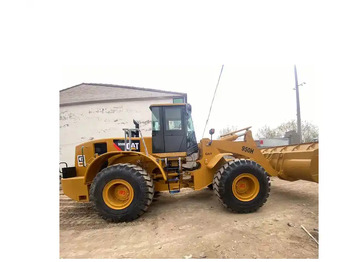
(294, 162)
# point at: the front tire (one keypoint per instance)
(242, 186)
(122, 192)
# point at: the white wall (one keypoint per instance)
(81, 123)
(270, 142)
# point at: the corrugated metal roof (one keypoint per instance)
(88, 92)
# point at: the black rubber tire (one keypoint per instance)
(156, 194)
(141, 183)
(223, 180)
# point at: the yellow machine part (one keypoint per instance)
(294, 162)
(75, 188)
(118, 194)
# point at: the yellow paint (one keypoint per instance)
(163, 186)
(118, 194)
(216, 159)
(149, 163)
(75, 188)
(245, 187)
(294, 162)
(218, 149)
(239, 149)
(170, 155)
(229, 138)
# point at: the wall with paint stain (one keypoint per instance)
(84, 122)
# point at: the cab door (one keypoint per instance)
(174, 129)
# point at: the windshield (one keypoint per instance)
(190, 127)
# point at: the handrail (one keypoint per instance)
(234, 132)
(127, 133)
(82, 153)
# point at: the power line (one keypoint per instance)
(298, 104)
(212, 101)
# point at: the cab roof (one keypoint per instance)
(177, 104)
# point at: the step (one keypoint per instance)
(171, 168)
(176, 179)
(174, 191)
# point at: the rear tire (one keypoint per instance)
(242, 186)
(122, 192)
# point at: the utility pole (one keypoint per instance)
(298, 104)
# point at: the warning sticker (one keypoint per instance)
(81, 160)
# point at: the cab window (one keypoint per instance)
(173, 118)
(156, 119)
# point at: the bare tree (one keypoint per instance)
(267, 132)
(309, 131)
(226, 130)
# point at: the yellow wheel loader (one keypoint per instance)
(121, 175)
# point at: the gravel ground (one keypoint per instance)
(194, 224)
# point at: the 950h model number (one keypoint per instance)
(247, 149)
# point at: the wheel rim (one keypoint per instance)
(245, 187)
(118, 194)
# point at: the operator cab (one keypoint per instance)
(172, 129)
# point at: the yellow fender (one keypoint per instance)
(212, 163)
(132, 157)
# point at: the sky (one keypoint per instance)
(248, 95)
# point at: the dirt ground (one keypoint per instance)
(195, 225)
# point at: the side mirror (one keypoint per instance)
(211, 133)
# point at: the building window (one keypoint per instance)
(178, 100)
